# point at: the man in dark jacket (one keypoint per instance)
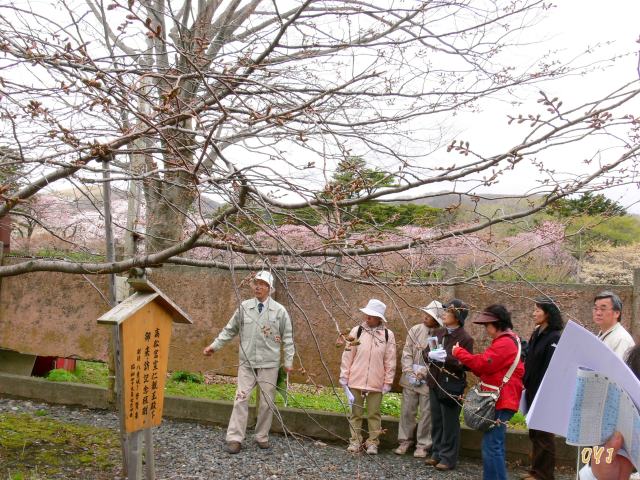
(447, 380)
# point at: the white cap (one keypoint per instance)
(265, 277)
(375, 308)
(435, 310)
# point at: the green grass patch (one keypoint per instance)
(327, 400)
(94, 373)
(323, 399)
(187, 377)
(198, 390)
(61, 375)
(35, 447)
(518, 421)
(189, 384)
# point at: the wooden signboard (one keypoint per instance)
(145, 352)
(142, 326)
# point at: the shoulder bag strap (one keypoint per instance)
(515, 361)
(493, 388)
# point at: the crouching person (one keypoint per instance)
(367, 370)
(415, 392)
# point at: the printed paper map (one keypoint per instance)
(601, 407)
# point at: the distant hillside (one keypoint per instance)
(486, 202)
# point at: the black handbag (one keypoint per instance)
(479, 408)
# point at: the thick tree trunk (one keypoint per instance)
(169, 198)
(166, 216)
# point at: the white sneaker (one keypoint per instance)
(402, 448)
(354, 448)
(421, 451)
(372, 449)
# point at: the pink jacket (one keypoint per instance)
(371, 364)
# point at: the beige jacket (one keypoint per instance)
(415, 343)
(372, 363)
(261, 334)
(617, 339)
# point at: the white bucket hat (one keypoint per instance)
(435, 310)
(375, 308)
(265, 277)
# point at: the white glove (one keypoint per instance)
(386, 388)
(439, 355)
(350, 397)
(343, 381)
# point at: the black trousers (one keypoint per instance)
(445, 429)
(543, 454)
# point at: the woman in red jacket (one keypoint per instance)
(491, 366)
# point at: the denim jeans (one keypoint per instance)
(493, 449)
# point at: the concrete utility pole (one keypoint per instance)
(115, 382)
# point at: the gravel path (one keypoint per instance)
(189, 451)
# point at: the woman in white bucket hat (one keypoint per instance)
(367, 370)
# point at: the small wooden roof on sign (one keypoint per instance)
(145, 293)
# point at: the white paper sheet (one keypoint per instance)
(523, 403)
(601, 407)
(551, 408)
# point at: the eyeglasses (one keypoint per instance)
(602, 309)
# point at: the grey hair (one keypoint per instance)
(616, 303)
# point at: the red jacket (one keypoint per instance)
(492, 365)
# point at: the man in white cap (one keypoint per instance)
(415, 392)
(367, 370)
(264, 328)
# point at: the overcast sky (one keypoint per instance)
(573, 25)
(570, 29)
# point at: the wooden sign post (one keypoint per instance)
(145, 352)
(144, 321)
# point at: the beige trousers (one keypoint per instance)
(373, 401)
(411, 402)
(266, 378)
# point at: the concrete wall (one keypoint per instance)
(575, 300)
(55, 314)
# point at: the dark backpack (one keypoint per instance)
(361, 328)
